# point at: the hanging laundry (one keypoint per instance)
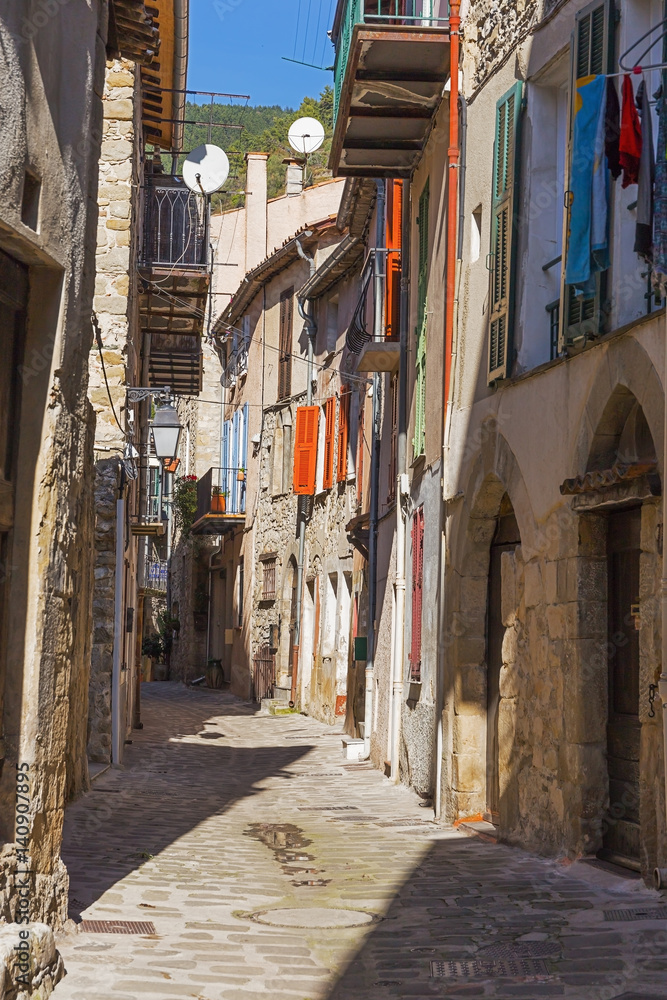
(660, 201)
(644, 229)
(588, 249)
(612, 127)
(631, 135)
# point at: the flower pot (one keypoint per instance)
(218, 503)
(240, 476)
(214, 674)
(160, 672)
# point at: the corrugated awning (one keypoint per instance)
(598, 479)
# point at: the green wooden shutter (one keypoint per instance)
(419, 440)
(503, 232)
(592, 54)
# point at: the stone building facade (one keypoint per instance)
(49, 152)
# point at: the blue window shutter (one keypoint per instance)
(244, 437)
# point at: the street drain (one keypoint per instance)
(117, 927)
(305, 809)
(525, 949)
(489, 970)
(319, 917)
(647, 913)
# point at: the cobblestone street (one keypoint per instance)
(270, 867)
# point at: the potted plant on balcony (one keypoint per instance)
(240, 475)
(218, 500)
(185, 503)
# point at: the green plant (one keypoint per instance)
(185, 503)
(153, 646)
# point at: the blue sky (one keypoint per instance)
(236, 46)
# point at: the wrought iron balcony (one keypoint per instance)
(221, 498)
(392, 60)
(175, 267)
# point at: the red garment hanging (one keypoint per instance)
(631, 135)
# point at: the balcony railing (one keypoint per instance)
(157, 572)
(176, 225)
(420, 13)
(221, 497)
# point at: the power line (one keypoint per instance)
(296, 34)
(305, 34)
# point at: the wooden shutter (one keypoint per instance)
(419, 440)
(285, 354)
(305, 449)
(393, 282)
(343, 434)
(329, 438)
(592, 54)
(417, 593)
(503, 232)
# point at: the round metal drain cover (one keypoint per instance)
(314, 917)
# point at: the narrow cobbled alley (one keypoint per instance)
(254, 862)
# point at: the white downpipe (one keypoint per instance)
(118, 636)
(399, 634)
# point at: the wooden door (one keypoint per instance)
(621, 829)
(506, 539)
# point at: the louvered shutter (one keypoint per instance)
(419, 440)
(417, 593)
(503, 232)
(305, 449)
(285, 354)
(329, 437)
(343, 434)
(393, 282)
(592, 54)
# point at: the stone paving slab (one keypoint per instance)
(222, 818)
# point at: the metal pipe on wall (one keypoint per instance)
(380, 266)
(402, 467)
(117, 735)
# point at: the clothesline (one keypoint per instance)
(637, 71)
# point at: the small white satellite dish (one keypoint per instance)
(306, 135)
(206, 169)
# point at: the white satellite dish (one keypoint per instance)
(206, 169)
(306, 135)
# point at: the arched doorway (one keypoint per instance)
(506, 538)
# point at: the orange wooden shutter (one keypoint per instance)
(305, 449)
(343, 434)
(393, 283)
(329, 435)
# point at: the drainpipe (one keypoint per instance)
(117, 736)
(451, 309)
(660, 874)
(380, 266)
(402, 467)
(312, 331)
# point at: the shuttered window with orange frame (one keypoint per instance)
(343, 434)
(305, 449)
(393, 283)
(329, 438)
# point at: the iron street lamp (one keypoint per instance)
(166, 431)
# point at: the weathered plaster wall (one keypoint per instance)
(55, 130)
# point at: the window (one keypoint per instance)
(393, 454)
(419, 441)
(268, 576)
(343, 434)
(285, 350)
(329, 438)
(32, 189)
(417, 592)
(503, 227)
(305, 449)
(584, 317)
(393, 281)
(476, 235)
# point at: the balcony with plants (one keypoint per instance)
(392, 61)
(221, 501)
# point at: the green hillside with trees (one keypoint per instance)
(263, 130)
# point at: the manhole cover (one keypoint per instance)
(645, 913)
(488, 970)
(314, 917)
(117, 927)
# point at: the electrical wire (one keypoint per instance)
(305, 34)
(298, 21)
(98, 338)
(326, 36)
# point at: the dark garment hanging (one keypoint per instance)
(660, 227)
(612, 130)
(631, 135)
(644, 230)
